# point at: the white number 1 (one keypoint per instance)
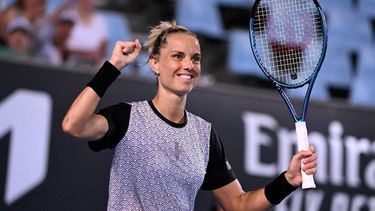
(26, 115)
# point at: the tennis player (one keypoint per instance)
(163, 154)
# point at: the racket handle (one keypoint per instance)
(303, 144)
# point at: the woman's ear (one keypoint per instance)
(154, 64)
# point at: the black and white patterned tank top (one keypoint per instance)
(157, 166)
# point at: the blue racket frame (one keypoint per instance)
(310, 81)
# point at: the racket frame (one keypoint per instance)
(310, 81)
(300, 124)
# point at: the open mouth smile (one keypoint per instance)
(185, 76)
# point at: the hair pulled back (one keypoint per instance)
(158, 35)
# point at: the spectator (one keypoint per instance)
(32, 10)
(18, 38)
(54, 50)
(88, 41)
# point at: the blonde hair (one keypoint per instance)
(158, 34)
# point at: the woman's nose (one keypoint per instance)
(188, 64)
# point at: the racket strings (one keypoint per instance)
(288, 39)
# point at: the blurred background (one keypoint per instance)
(222, 26)
(49, 50)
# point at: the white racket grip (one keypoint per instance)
(303, 144)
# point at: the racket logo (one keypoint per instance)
(288, 38)
(291, 31)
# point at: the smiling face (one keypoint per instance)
(178, 64)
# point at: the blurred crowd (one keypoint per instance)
(82, 33)
(72, 34)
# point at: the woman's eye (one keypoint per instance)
(196, 59)
(177, 56)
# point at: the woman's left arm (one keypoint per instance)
(232, 196)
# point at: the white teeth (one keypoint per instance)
(187, 77)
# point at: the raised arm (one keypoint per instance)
(232, 197)
(80, 120)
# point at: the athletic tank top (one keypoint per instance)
(157, 166)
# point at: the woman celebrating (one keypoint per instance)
(164, 154)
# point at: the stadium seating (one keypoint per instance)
(363, 91)
(118, 29)
(335, 72)
(201, 17)
(236, 3)
(367, 7)
(366, 61)
(5, 3)
(329, 5)
(336, 69)
(142, 67)
(320, 91)
(240, 59)
(348, 30)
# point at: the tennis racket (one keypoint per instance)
(289, 41)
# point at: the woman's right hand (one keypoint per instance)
(124, 53)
